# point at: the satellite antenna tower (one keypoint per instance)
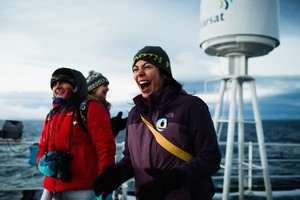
(239, 30)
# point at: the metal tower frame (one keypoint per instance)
(237, 76)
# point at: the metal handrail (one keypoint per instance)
(247, 162)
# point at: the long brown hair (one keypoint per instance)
(104, 103)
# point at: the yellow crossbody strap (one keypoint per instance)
(166, 144)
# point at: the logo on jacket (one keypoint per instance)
(161, 124)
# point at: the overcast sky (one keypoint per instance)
(39, 36)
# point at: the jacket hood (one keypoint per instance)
(79, 92)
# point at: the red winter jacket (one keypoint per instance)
(89, 151)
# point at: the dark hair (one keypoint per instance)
(170, 81)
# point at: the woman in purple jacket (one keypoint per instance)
(182, 120)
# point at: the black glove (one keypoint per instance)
(162, 184)
(118, 124)
(108, 181)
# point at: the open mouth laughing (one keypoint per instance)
(145, 84)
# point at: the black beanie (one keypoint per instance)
(156, 56)
(63, 74)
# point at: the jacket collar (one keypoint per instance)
(157, 100)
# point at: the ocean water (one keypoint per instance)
(18, 176)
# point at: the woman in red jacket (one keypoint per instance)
(97, 86)
(72, 154)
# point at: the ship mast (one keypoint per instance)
(239, 30)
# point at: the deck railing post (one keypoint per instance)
(250, 160)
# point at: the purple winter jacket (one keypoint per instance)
(185, 121)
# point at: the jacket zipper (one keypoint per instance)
(54, 186)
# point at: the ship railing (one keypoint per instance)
(248, 163)
(250, 166)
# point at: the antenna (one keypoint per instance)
(239, 30)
